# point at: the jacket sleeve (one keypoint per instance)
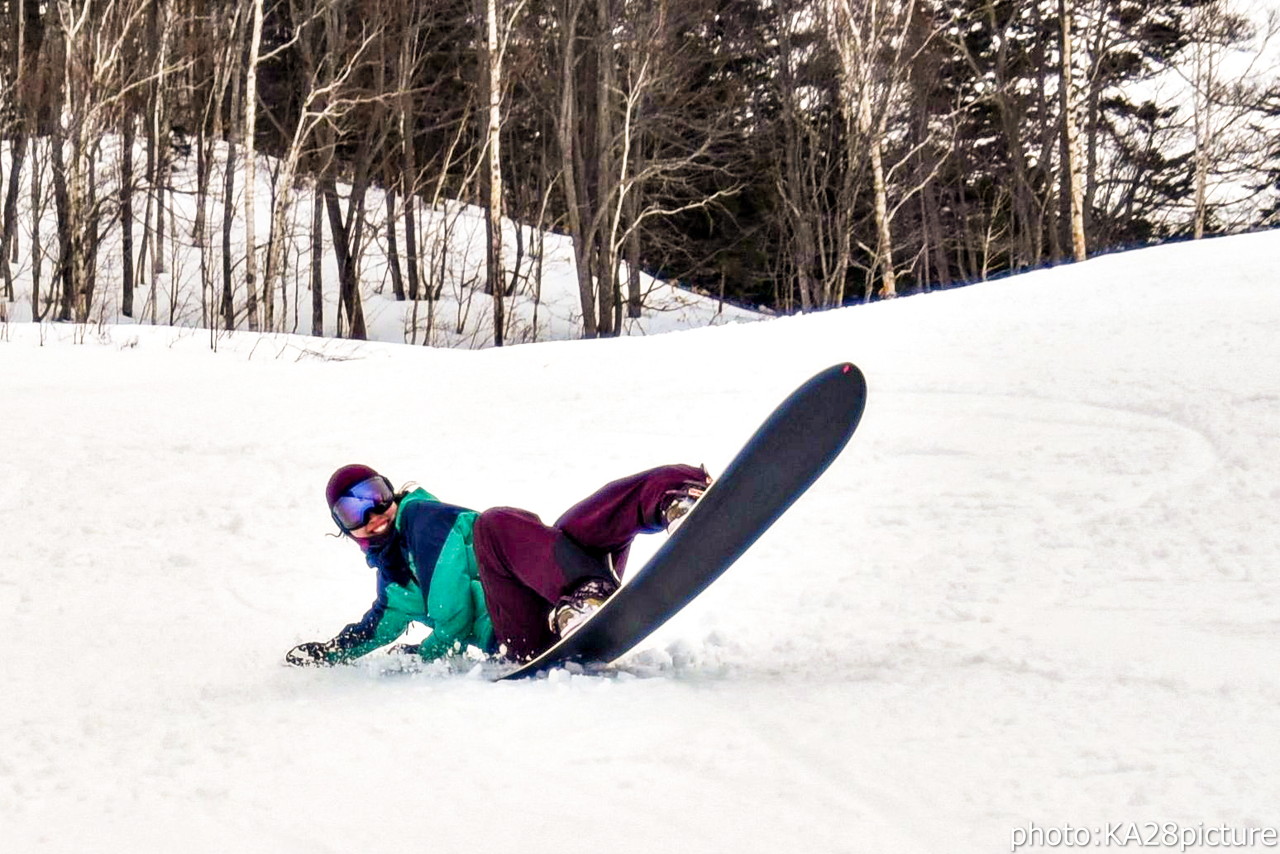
(381, 624)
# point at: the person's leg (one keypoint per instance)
(525, 569)
(607, 521)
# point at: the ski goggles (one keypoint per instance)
(367, 498)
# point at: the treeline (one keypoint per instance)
(794, 154)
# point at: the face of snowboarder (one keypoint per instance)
(377, 524)
(364, 505)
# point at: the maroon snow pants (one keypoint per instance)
(526, 566)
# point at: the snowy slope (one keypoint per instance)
(1039, 586)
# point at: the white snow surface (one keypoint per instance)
(1039, 586)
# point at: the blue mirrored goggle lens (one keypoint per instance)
(354, 507)
(373, 489)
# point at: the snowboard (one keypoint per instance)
(779, 462)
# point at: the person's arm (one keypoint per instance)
(380, 625)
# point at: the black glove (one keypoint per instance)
(310, 654)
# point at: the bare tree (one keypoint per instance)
(236, 93)
(995, 80)
(811, 195)
(94, 85)
(1072, 174)
(637, 125)
(875, 50)
(1230, 76)
(572, 161)
(215, 71)
(325, 103)
(491, 59)
(25, 38)
(251, 172)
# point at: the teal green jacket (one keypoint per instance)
(427, 573)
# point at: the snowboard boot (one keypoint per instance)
(677, 503)
(574, 609)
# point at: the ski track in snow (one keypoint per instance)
(1039, 586)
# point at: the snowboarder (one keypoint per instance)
(500, 580)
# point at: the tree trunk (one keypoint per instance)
(37, 250)
(126, 216)
(496, 280)
(28, 36)
(931, 201)
(200, 228)
(348, 287)
(634, 295)
(66, 220)
(18, 150)
(797, 219)
(1023, 245)
(607, 184)
(317, 264)
(412, 258)
(228, 220)
(884, 233)
(565, 132)
(228, 200)
(393, 246)
(1070, 141)
(1204, 73)
(251, 178)
(91, 231)
(409, 162)
(160, 136)
(4, 248)
(157, 246)
(207, 76)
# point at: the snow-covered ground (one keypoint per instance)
(1040, 586)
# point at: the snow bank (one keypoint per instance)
(1038, 587)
